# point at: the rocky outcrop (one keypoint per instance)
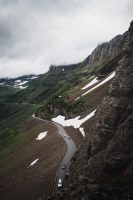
(63, 68)
(106, 50)
(101, 53)
(103, 167)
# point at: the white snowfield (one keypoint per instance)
(34, 77)
(2, 83)
(22, 87)
(75, 122)
(81, 129)
(17, 81)
(98, 85)
(34, 162)
(23, 84)
(42, 135)
(20, 84)
(94, 81)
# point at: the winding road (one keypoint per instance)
(71, 148)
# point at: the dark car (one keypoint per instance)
(66, 175)
(63, 166)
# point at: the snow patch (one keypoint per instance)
(2, 83)
(22, 87)
(95, 80)
(75, 122)
(98, 85)
(81, 129)
(42, 135)
(22, 83)
(34, 77)
(33, 116)
(17, 81)
(34, 162)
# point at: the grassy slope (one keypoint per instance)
(11, 118)
(48, 87)
(18, 181)
(46, 90)
(40, 90)
(6, 92)
(70, 87)
(104, 66)
(66, 105)
(13, 115)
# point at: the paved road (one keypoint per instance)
(71, 148)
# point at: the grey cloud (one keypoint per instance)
(8, 2)
(5, 34)
(36, 33)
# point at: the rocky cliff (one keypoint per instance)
(103, 166)
(63, 68)
(102, 52)
(106, 50)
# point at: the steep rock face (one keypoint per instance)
(103, 167)
(101, 53)
(63, 68)
(117, 107)
(106, 50)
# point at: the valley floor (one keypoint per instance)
(19, 180)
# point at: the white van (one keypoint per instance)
(60, 183)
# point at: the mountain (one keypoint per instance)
(102, 167)
(61, 80)
(63, 68)
(93, 101)
(106, 50)
(10, 86)
(19, 82)
(103, 52)
(100, 64)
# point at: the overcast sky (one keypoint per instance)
(37, 33)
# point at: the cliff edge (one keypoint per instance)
(103, 167)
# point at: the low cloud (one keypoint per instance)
(37, 33)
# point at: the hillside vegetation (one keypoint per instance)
(11, 118)
(63, 91)
(6, 92)
(54, 93)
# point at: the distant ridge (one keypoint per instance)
(104, 51)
